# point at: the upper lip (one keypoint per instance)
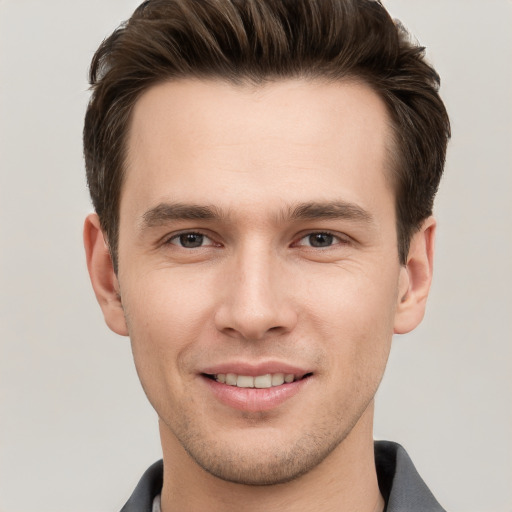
(255, 369)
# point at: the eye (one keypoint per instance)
(190, 240)
(320, 240)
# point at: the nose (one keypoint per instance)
(256, 299)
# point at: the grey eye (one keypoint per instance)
(190, 240)
(320, 239)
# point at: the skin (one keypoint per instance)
(256, 289)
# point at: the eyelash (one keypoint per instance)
(170, 240)
(337, 239)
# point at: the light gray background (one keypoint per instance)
(75, 429)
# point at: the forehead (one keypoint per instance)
(208, 141)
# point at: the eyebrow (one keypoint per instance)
(330, 210)
(165, 212)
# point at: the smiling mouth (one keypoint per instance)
(269, 380)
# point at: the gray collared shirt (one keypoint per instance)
(399, 482)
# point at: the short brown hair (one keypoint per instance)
(257, 41)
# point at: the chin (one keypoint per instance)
(262, 465)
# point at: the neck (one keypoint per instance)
(346, 481)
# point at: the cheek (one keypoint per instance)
(167, 301)
(354, 299)
(353, 312)
(167, 316)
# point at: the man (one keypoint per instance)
(263, 175)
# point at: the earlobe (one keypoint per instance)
(415, 279)
(103, 278)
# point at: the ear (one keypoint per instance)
(103, 278)
(415, 279)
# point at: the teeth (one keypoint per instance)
(261, 381)
(230, 379)
(277, 379)
(245, 382)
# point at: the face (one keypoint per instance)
(258, 270)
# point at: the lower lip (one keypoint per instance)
(254, 399)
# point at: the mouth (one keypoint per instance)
(256, 387)
(268, 380)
